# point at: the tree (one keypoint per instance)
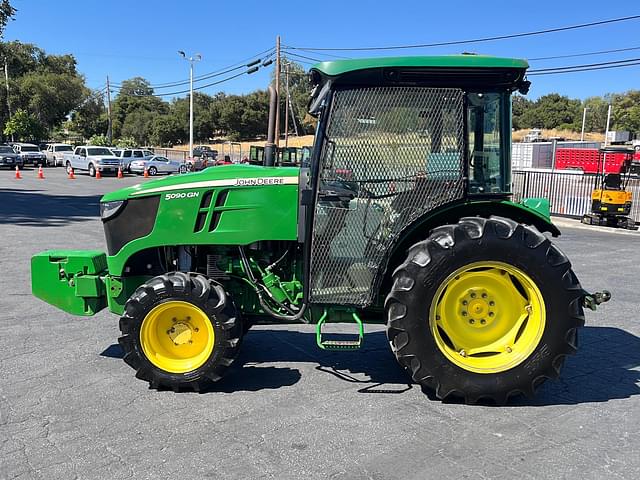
(626, 111)
(6, 13)
(166, 130)
(90, 117)
(300, 92)
(596, 119)
(99, 140)
(553, 111)
(519, 106)
(134, 109)
(23, 126)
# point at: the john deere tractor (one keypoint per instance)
(403, 217)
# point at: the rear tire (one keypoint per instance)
(180, 331)
(92, 170)
(431, 325)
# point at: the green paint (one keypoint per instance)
(339, 344)
(339, 67)
(539, 205)
(70, 280)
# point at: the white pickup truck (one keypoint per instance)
(92, 158)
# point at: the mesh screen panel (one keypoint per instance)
(390, 155)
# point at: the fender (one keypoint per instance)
(532, 211)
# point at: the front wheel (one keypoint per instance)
(68, 168)
(180, 331)
(484, 309)
(92, 170)
(153, 171)
(182, 169)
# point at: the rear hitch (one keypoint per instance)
(592, 300)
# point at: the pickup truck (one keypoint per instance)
(92, 159)
(30, 153)
(55, 153)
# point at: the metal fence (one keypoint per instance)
(569, 192)
(171, 153)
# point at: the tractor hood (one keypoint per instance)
(220, 176)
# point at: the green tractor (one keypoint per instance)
(403, 217)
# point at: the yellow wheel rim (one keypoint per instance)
(487, 317)
(177, 337)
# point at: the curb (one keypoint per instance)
(565, 222)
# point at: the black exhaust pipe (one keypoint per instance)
(270, 147)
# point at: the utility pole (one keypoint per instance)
(286, 108)
(606, 132)
(110, 120)
(6, 80)
(191, 60)
(584, 117)
(277, 132)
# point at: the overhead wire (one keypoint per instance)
(584, 54)
(613, 62)
(472, 40)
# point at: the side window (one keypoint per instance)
(83, 152)
(77, 151)
(147, 153)
(127, 153)
(137, 153)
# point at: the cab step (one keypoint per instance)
(339, 345)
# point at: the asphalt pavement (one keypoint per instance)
(71, 408)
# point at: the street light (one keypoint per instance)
(196, 58)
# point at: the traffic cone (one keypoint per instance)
(146, 173)
(18, 176)
(71, 175)
(40, 173)
(98, 174)
(120, 175)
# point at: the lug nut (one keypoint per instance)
(509, 350)
(437, 317)
(463, 353)
(483, 321)
(491, 314)
(492, 303)
(484, 295)
(196, 329)
(464, 302)
(472, 294)
(464, 314)
(472, 321)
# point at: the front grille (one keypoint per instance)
(135, 220)
(390, 155)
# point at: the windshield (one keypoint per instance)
(6, 150)
(99, 151)
(488, 161)
(63, 148)
(29, 148)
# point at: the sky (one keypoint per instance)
(124, 39)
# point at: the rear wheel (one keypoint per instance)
(484, 309)
(92, 170)
(182, 169)
(68, 168)
(180, 331)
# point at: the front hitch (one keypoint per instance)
(592, 300)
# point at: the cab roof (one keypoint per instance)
(340, 67)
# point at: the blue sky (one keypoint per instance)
(140, 38)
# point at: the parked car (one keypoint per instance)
(127, 155)
(205, 151)
(9, 158)
(55, 153)
(30, 154)
(92, 159)
(158, 164)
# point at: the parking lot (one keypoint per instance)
(71, 408)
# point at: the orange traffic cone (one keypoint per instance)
(120, 172)
(71, 175)
(98, 174)
(18, 176)
(40, 173)
(146, 173)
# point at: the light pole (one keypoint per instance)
(196, 58)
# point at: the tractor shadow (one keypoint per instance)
(36, 208)
(604, 369)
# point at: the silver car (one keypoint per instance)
(158, 164)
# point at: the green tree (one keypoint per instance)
(90, 117)
(126, 142)
(596, 119)
(23, 126)
(6, 13)
(99, 140)
(520, 105)
(167, 131)
(134, 110)
(626, 111)
(553, 111)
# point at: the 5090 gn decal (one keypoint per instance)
(172, 196)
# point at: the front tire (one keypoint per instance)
(180, 331)
(484, 309)
(92, 170)
(153, 171)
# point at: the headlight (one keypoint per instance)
(109, 209)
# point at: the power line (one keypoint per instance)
(475, 40)
(540, 70)
(305, 57)
(585, 69)
(585, 54)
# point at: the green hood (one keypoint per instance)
(224, 175)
